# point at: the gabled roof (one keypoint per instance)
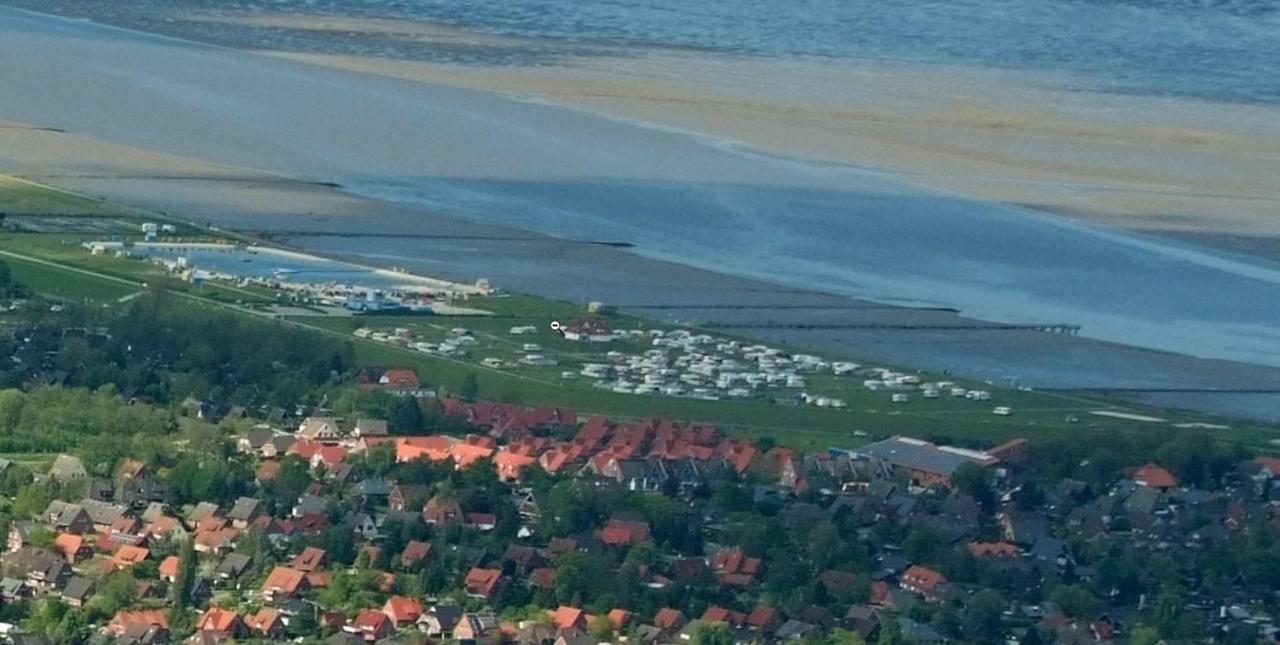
(923, 578)
(216, 619)
(284, 579)
(169, 567)
(668, 618)
(566, 617)
(1154, 476)
(245, 509)
(482, 581)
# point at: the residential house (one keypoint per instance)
(127, 620)
(439, 620)
(40, 569)
(283, 583)
(370, 428)
(669, 620)
(481, 583)
(78, 591)
(267, 623)
(923, 581)
(371, 624)
(407, 497)
(244, 512)
(222, 623)
(232, 567)
(414, 553)
(568, 618)
(310, 559)
(67, 468)
(402, 610)
(473, 626)
(732, 567)
(321, 429)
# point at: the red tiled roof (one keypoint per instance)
(568, 618)
(923, 578)
(1272, 465)
(402, 609)
(668, 618)
(169, 567)
(284, 579)
(762, 617)
(993, 549)
(1154, 476)
(482, 581)
(619, 618)
(216, 619)
(624, 532)
(265, 620)
(129, 554)
(125, 619)
(415, 551)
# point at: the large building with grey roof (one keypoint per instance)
(926, 464)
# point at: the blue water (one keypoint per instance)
(1222, 49)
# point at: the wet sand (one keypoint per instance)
(248, 142)
(1161, 165)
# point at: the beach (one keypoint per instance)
(708, 190)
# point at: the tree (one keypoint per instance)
(601, 629)
(470, 388)
(980, 618)
(1144, 636)
(1075, 601)
(971, 479)
(180, 593)
(890, 632)
(31, 499)
(712, 634)
(116, 592)
(73, 628)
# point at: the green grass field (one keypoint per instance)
(54, 264)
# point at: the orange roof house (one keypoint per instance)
(481, 583)
(510, 465)
(465, 454)
(267, 622)
(371, 624)
(124, 620)
(624, 532)
(718, 614)
(763, 618)
(619, 618)
(415, 552)
(129, 555)
(169, 568)
(220, 621)
(733, 567)
(441, 510)
(993, 549)
(284, 582)
(309, 560)
(402, 609)
(923, 581)
(1153, 476)
(429, 448)
(71, 547)
(566, 617)
(668, 619)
